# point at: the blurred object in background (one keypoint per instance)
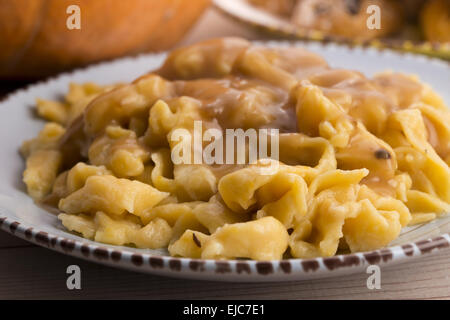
(420, 26)
(348, 18)
(435, 20)
(278, 7)
(412, 9)
(35, 41)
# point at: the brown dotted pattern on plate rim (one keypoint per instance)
(156, 262)
(13, 226)
(350, 260)
(101, 253)
(54, 240)
(85, 250)
(42, 238)
(116, 255)
(137, 259)
(428, 245)
(242, 267)
(175, 264)
(264, 268)
(372, 257)
(66, 244)
(197, 265)
(310, 265)
(29, 233)
(286, 266)
(408, 249)
(223, 267)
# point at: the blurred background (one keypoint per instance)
(36, 42)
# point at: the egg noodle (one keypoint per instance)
(359, 158)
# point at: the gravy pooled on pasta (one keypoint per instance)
(358, 158)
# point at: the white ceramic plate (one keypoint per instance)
(20, 216)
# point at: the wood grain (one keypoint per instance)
(37, 273)
(31, 272)
(7, 241)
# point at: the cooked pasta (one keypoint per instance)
(358, 159)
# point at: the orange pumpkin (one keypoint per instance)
(35, 40)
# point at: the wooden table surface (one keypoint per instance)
(32, 272)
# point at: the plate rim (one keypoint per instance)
(221, 270)
(226, 270)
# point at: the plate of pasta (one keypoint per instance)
(234, 161)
